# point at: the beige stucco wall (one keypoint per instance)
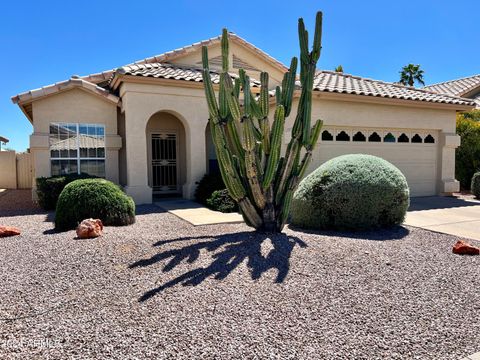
(422, 164)
(248, 56)
(74, 106)
(429, 167)
(8, 170)
(140, 101)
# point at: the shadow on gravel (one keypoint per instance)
(230, 251)
(394, 233)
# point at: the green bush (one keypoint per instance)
(220, 200)
(207, 185)
(49, 188)
(351, 192)
(93, 198)
(467, 155)
(475, 186)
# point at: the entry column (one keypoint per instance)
(449, 142)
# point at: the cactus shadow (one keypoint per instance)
(218, 256)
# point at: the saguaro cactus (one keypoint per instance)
(248, 148)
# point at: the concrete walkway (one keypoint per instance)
(449, 215)
(196, 214)
(475, 356)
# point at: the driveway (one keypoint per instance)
(449, 215)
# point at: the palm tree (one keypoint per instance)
(411, 74)
(339, 69)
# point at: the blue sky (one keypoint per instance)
(46, 41)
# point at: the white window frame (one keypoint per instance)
(78, 158)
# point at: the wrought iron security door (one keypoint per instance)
(164, 163)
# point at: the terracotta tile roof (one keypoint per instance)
(169, 71)
(64, 85)
(334, 82)
(458, 87)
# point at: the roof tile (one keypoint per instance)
(328, 81)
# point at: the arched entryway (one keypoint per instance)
(166, 153)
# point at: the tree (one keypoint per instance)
(249, 150)
(467, 155)
(339, 69)
(410, 74)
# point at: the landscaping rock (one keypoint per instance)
(90, 228)
(464, 248)
(9, 231)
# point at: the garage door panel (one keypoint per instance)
(418, 162)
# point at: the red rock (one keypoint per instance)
(463, 248)
(9, 231)
(90, 228)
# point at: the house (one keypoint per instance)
(468, 87)
(3, 141)
(145, 126)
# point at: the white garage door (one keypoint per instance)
(414, 152)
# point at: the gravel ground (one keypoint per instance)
(164, 289)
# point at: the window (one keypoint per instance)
(326, 136)
(403, 138)
(374, 137)
(389, 138)
(77, 148)
(342, 136)
(417, 139)
(359, 137)
(429, 139)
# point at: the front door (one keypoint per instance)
(164, 163)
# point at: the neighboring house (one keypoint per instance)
(145, 126)
(468, 87)
(3, 141)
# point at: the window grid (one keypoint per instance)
(78, 159)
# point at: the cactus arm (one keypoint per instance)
(276, 144)
(288, 86)
(205, 57)
(251, 163)
(232, 100)
(210, 95)
(287, 172)
(222, 98)
(317, 40)
(224, 46)
(278, 95)
(264, 96)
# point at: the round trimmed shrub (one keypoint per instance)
(93, 198)
(49, 188)
(351, 192)
(476, 185)
(222, 201)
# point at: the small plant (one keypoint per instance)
(353, 192)
(220, 200)
(93, 198)
(207, 185)
(475, 186)
(256, 174)
(49, 188)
